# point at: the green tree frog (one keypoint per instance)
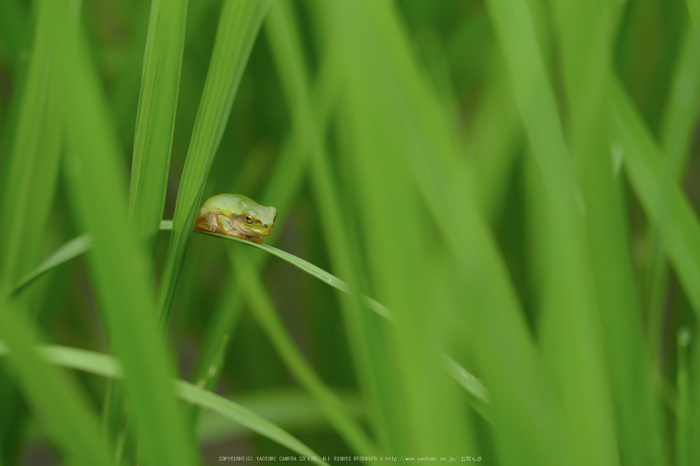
(237, 216)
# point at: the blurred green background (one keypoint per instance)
(499, 200)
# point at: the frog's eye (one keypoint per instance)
(248, 219)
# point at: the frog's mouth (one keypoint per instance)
(248, 232)
(241, 226)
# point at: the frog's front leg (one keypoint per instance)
(225, 226)
(205, 223)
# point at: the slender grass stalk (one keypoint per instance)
(680, 116)
(58, 401)
(30, 171)
(430, 425)
(107, 366)
(586, 69)
(291, 409)
(117, 263)
(664, 203)
(364, 329)
(267, 317)
(661, 197)
(389, 135)
(231, 306)
(569, 331)
(493, 136)
(238, 28)
(155, 120)
(490, 307)
(282, 188)
(28, 175)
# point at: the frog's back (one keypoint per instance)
(229, 203)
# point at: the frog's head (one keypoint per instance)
(257, 221)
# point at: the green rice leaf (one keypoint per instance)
(83, 243)
(665, 204)
(155, 120)
(680, 117)
(399, 123)
(246, 418)
(58, 401)
(371, 360)
(569, 326)
(118, 266)
(662, 199)
(267, 316)
(68, 251)
(289, 408)
(238, 28)
(30, 170)
(281, 190)
(107, 366)
(586, 68)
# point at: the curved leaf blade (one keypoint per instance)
(118, 264)
(108, 366)
(155, 120)
(69, 420)
(238, 27)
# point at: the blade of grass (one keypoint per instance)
(679, 121)
(118, 265)
(472, 385)
(246, 418)
(585, 59)
(28, 178)
(661, 198)
(290, 408)
(17, 31)
(281, 189)
(681, 112)
(68, 251)
(107, 366)
(69, 421)
(665, 205)
(83, 243)
(364, 330)
(493, 137)
(400, 278)
(506, 353)
(155, 120)
(31, 167)
(238, 27)
(459, 374)
(267, 317)
(569, 329)
(309, 268)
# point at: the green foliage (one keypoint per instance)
(155, 120)
(108, 367)
(487, 242)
